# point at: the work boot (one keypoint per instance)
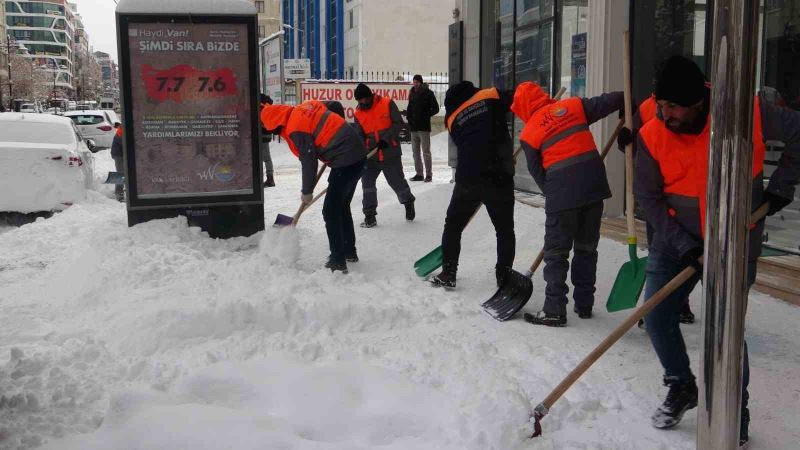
(351, 257)
(428, 178)
(270, 181)
(583, 313)
(543, 318)
(410, 213)
(686, 315)
(447, 277)
(682, 396)
(416, 178)
(369, 221)
(335, 266)
(744, 428)
(501, 273)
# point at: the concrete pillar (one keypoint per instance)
(607, 19)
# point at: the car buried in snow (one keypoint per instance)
(45, 164)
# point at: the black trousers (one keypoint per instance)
(466, 199)
(575, 229)
(342, 183)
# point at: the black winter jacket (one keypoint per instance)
(422, 105)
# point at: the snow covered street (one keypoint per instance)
(157, 337)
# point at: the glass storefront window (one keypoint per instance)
(573, 31)
(503, 62)
(532, 11)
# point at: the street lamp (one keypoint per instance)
(302, 47)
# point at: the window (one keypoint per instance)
(350, 20)
(261, 31)
(260, 7)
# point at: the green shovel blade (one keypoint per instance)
(629, 283)
(430, 262)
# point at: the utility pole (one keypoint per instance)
(729, 191)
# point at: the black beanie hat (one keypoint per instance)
(362, 91)
(418, 77)
(456, 96)
(680, 81)
(335, 107)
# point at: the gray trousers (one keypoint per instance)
(421, 143)
(265, 156)
(575, 229)
(393, 172)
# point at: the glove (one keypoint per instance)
(305, 199)
(624, 138)
(383, 144)
(776, 202)
(691, 257)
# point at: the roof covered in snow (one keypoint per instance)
(212, 7)
(36, 118)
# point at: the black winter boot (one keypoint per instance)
(744, 430)
(682, 396)
(686, 315)
(410, 213)
(583, 313)
(270, 181)
(543, 318)
(351, 257)
(369, 221)
(447, 277)
(336, 266)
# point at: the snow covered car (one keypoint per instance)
(94, 124)
(45, 165)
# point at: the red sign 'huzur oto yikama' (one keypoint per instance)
(184, 83)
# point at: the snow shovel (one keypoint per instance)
(433, 260)
(285, 221)
(543, 408)
(630, 279)
(517, 288)
(115, 178)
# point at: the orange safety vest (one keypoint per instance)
(683, 161)
(375, 120)
(560, 132)
(314, 118)
(648, 109)
(483, 94)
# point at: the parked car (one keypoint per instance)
(28, 108)
(95, 124)
(45, 164)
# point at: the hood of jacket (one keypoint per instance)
(529, 98)
(274, 116)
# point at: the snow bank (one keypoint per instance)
(158, 337)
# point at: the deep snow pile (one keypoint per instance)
(158, 337)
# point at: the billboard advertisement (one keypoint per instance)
(190, 107)
(272, 67)
(343, 92)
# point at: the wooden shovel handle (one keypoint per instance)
(623, 328)
(629, 200)
(606, 149)
(557, 97)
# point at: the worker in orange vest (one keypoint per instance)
(119, 164)
(378, 120)
(316, 134)
(565, 163)
(670, 186)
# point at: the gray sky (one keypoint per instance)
(98, 18)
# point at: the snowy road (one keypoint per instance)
(158, 337)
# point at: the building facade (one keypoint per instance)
(314, 31)
(3, 55)
(269, 17)
(108, 74)
(47, 29)
(577, 44)
(388, 35)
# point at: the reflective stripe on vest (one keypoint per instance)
(483, 94)
(313, 118)
(683, 162)
(560, 132)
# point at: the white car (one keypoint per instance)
(45, 165)
(28, 108)
(95, 124)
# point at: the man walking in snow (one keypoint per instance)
(670, 186)
(315, 133)
(476, 120)
(564, 162)
(422, 105)
(378, 120)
